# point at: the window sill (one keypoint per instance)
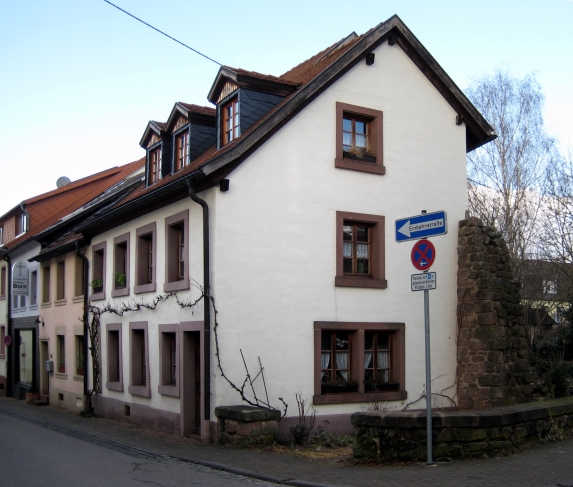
(79, 378)
(97, 296)
(78, 299)
(142, 391)
(61, 375)
(120, 292)
(2, 355)
(176, 285)
(168, 390)
(144, 288)
(33, 307)
(45, 305)
(358, 165)
(354, 397)
(2, 298)
(60, 302)
(114, 386)
(366, 282)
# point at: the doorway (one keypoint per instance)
(190, 383)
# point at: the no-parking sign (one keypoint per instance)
(423, 254)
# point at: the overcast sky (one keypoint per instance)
(79, 80)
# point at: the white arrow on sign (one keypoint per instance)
(407, 229)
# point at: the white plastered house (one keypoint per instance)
(302, 176)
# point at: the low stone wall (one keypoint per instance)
(401, 435)
(247, 425)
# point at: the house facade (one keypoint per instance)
(279, 204)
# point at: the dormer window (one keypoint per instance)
(1, 236)
(155, 165)
(231, 129)
(182, 150)
(21, 223)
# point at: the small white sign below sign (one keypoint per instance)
(423, 282)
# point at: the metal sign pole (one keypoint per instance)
(429, 460)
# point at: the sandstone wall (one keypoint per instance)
(493, 365)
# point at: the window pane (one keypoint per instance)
(368, 341)
(347, 266)
(383, 360)
(346, 139)
(347, 232)
(383, 341)
(347, 125)
(347, 250)
(361, 141)
(342, 341)
(362, 266)
(362, 251)
(360, 127)
(362, 234)
(326, 340)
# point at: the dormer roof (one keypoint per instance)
(249, 79)
(193, 113)
(153, 128)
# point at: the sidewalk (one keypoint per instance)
(549, 465)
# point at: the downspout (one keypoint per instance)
(206, 429)
(85, 287)
(6, 257)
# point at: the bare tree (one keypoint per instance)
(507, 177)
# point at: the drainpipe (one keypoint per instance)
(85, 286)
(9, 354)
(206, 429)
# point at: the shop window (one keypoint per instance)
(114, 357)
(46, 284)
(121, 265)
(360, 259)
(169, 360)
(78, 277)
(61, 353)
(34, 288)
(98, 271)
(176, 257)
(359, 362)
(359, 139)
(139, 358)
(60, 280)
(146, 238)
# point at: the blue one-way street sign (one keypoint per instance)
(421, 226)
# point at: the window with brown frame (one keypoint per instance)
(145, 258)
(169, 361)
(114, 357)
(359, 362)
(139, 360)
(230, 118)
(360, 260)
(176, 260)
(80, 358)
(1, 235)
(2, 344)
(121, 265)
(155, 165)
(46, 284)
(359, 139)
(60, 280)
(78, 277)
(3, 283)
(98, 271)
(61, 343)
(182, 150)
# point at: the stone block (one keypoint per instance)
(493, 331)
(498, 392)
(463, 435)
(364, 447)
(231, 426)
(487, 319)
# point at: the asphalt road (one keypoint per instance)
(33, 456)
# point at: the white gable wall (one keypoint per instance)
(273, 233)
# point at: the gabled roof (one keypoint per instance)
(310, 78)
(194, 113)
(48, 208)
